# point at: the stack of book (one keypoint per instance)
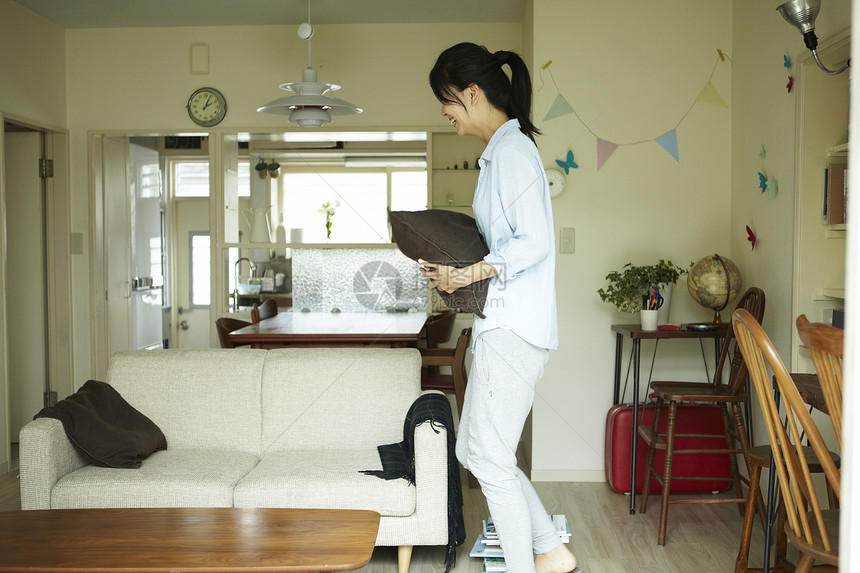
(488, 548)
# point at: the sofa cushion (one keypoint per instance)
(448, 238)
(329, 479)
(337, 398)
(201, 399)
(169, 478)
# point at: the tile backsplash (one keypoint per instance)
(356, 280)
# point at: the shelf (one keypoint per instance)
(830, 294)
(461, 171)
(835, 231)
(840, 150)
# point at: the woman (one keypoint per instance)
(513, 212)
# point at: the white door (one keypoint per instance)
(25, 279)
(117, 224)
(192, 273)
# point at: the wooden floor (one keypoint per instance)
(606, 539)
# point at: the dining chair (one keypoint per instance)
(267, 309)
(825, 344)
(715, 392)
(813, 531)
(455, 358)
(437, 331)
(454, 383)
(225, 326)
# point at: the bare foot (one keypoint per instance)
(559, 560)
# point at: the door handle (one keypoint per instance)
(183, 325)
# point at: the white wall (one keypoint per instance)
(631, 71)
(32, 66)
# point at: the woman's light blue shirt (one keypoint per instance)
(514, 214)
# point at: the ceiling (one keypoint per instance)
(160, 13)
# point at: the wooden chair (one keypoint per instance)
(455, 358)
(267, 309)
(437, 331)
(454, 383)
(439, 328)
(715, 392)
(225, 326)
(815, 532)
(825, 344)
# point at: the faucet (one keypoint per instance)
(253, 268)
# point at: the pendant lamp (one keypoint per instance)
(310, 106)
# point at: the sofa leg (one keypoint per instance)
(404, 554)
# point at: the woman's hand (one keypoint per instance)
(449, 279)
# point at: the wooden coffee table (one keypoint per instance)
(186, 540)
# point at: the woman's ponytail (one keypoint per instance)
(520, 99)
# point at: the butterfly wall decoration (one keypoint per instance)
(790, 85)
(762, 181)
(751, 237)
(568, 163)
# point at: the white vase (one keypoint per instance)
(648, 319)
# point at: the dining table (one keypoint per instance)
(315, 329)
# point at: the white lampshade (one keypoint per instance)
(310, 107)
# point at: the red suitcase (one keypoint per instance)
(691, 418)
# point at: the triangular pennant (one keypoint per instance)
(605, 149)
(669, 142)
(559, 108)
(709, 94)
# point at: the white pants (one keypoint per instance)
(499, 396)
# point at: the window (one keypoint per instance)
(200, 269)
(191, 178)
(354, 202)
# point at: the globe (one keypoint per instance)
(714, 282)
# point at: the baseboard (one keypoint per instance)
(568, 475)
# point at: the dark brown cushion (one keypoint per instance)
(447, 238)
(104, 428)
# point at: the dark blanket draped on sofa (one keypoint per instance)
(398, 461)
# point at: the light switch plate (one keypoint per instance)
(566, 240)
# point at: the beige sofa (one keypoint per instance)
(258, 428)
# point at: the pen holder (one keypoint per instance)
(649, 319)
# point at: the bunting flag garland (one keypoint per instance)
(559, 108)
(709, 94)
(605, 149)
(668, 141)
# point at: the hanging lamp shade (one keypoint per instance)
(310, 106)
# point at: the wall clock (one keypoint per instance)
(556, 181)
(207, 107)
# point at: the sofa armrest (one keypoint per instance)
(46, 455)
(431, 482)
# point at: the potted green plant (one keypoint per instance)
(629, 285)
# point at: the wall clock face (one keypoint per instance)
(207, 107)
(556, 182)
